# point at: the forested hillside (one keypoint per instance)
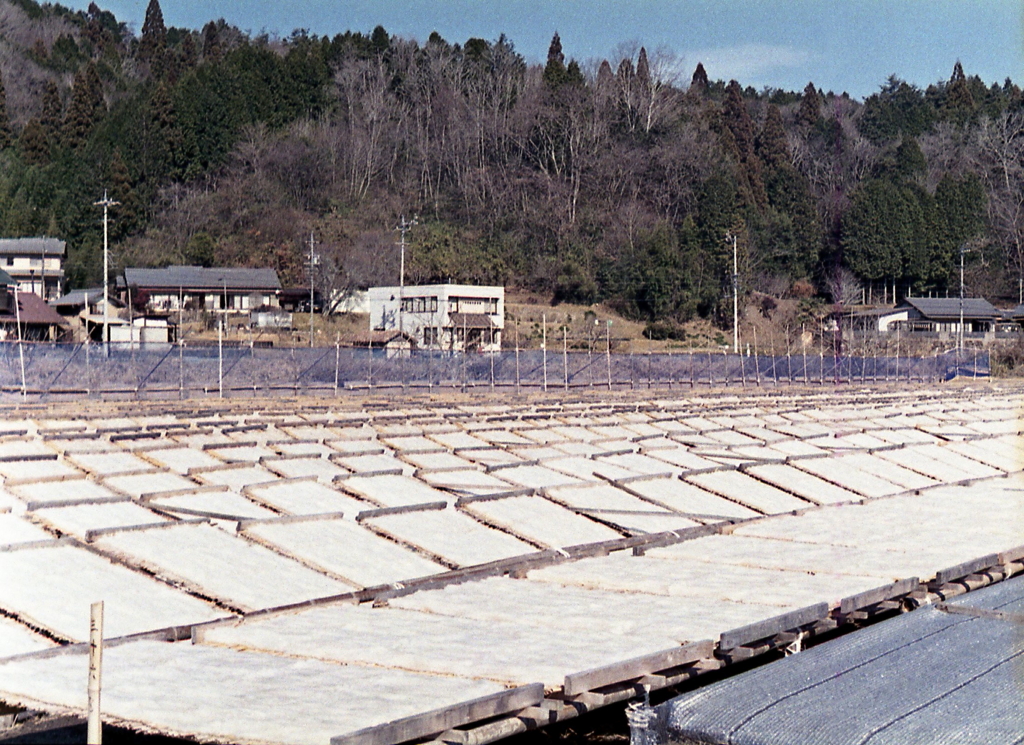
(614, 180)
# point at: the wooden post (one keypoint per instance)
(565, 356)
(95, 732)
(88, 367)
(517, 355)
(608, 352)
(337, 361)
(897, 376)
(691, 364)
(757, 360)
(544, 346)
(220, 359)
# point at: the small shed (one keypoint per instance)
(394, 343)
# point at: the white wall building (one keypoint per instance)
(37, 264)
(446, 317)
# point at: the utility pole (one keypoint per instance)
(735, 295)
(106, 203)
(403, 228)
(960, 336)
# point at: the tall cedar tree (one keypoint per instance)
(809, 112)
(737, 119)
(35, 147)
(699, 82)
(959, 103)
(212, 50)
(554, 70)
(154, 35)
(5, 123)
(51, 115)
(120, 183)
(86, 107)
(795, 230)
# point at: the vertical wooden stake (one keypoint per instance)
(95, 733)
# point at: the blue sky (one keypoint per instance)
(842, 45)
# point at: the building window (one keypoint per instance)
(429, 336)
(419, 305)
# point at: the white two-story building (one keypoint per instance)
(445, 317)
(36, 264)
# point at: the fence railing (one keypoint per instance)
(62, 371)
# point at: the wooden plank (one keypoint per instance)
(439, 720)
(92, 535)
(970, 610)
(15, 458)
(968, 567)
(771, 626)
(470, 499)
(32, 506)
(1014, 554)
(588, 680)
(368, 474)
(384, 511)
(870, 597)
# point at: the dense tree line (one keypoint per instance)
(614, 181)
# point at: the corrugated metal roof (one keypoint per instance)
(949, 307)
(929, 677)
(203, 278)
(32, 246)
(78, 297)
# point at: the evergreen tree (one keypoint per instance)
(959, 217)
(885, 233)
(555, 74)
(161, 140)
(810, 107)
(86, 106)
(737, 119)
(643, 69)
(120, 184)
(52, 114)
(380, 42)
(699, 82)
(35, 147)
(793, 231)
(5, 123)
(212, 50)
(959, 104)
(154, 34)
(772, 144)
(898, 109)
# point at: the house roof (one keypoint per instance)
(33, 310)
(78, 297)
(377, 338)
(32, 247)
(948, 308)
(201, 278)
(1016, 313)
(6, 280)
